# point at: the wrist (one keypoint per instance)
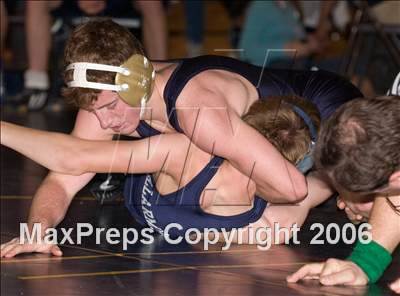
(38, 228)
(372, 258)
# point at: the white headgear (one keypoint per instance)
(134, 80)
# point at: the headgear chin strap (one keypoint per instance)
(134, 79)
(307, 162)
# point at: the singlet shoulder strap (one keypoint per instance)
(190, 193)
(188, 68)
(145, 130)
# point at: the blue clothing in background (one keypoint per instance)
(269, 25)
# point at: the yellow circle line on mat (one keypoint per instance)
(68, 275)
(122, 272)
(29, 197)
(28, 260)
(110, 254)
(32, 260)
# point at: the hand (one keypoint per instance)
(352, 216)
(395, 286)
(356, 212)
(314, 288)
(331, 272)
(14, 247)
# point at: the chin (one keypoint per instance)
(128, 130)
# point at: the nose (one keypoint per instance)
(104, 118)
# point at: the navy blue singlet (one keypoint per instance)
(150, 208)
(326, 90)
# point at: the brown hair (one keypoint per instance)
(275, 119)
(100, 41)
(359, 145)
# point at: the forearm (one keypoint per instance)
(373, 258)
(280, 183)
(49, 204)
(277, 179)
(289, 214)
(50, 150)
(61, 153)
(69, 155)
(249, 152)
(318, 191)
(385, 223)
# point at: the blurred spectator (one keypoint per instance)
(236, 10)
(39, 16)
(194, 14)
(368, 63)
(273, 35)
(334, 14)
(3, 32)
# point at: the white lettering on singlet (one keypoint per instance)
(148, 191)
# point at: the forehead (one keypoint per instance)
(103, 98)
(363, 196)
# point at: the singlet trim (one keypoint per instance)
(200, 180)
(171, 96)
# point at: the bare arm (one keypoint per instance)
(52, 199)
(221, 131)
(60, 188)
(66, 154)
(287, 215)
(382, 216)
(385, 231)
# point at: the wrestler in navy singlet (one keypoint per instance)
(326, 90)
(183, 206)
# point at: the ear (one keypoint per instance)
(394, 180)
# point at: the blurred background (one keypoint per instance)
(358, 39)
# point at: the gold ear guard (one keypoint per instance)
(138, 84)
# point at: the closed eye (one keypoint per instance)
(112, 105)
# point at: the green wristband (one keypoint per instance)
(372, 258)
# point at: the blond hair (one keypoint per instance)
(276, 120)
